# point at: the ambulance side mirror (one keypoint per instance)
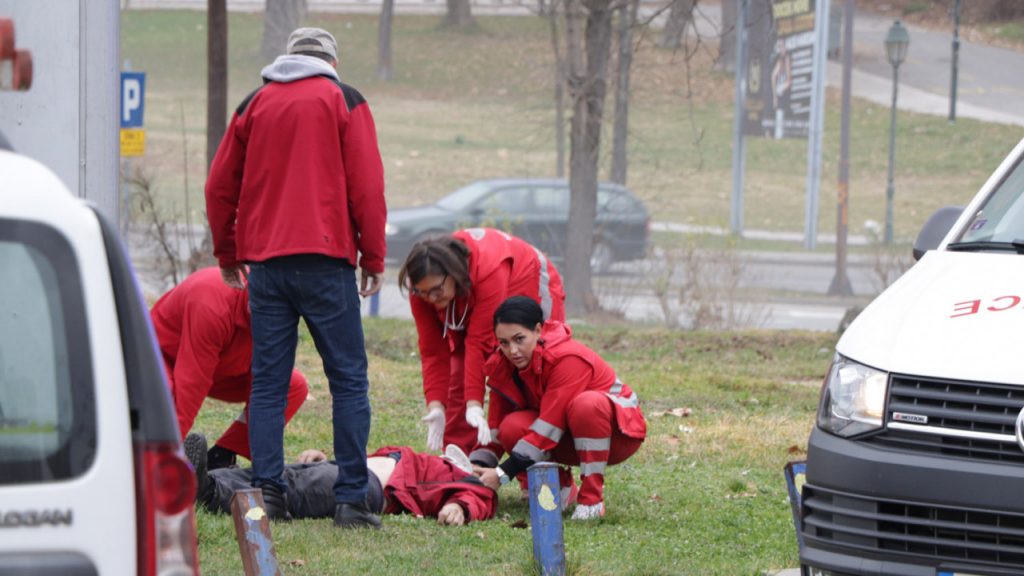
(935, 229)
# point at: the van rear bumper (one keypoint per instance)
(872, 510)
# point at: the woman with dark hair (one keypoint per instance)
(554, 399)
(456, 282)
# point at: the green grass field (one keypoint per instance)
(704, 495)
(465, 106)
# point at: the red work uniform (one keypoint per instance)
(453, 352)
(423, 483)
(202, 326)
(568, 406)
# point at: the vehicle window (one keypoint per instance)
(464, 197)
(551, 200)
(1001, 217)
(505, 201)
(614, 201)
(47, 417)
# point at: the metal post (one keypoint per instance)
(817, 122)
(889, 191)
(738, 141)
(546, 519)
(252, 529)
(841, 281)
(375, 305)
(955, 62)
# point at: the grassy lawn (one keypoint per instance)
(465, 106)
(704, 495)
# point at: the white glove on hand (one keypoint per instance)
(475, 417)
(435, 428)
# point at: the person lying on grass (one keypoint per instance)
(552, 398)
(401, 481)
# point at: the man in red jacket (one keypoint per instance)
(296, 191)
(202, 326)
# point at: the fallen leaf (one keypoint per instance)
(794, 449)
(655, 498)
(519, 524)
(481, 535)
(686, 429)
(677, 412)
(297, 562)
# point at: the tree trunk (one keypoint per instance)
(279, 19)
(387, 13)
(556, 45)
(588, 88)
(627, 18)
(459, 14)
(727, 37)
(216, 75)
(679, 17)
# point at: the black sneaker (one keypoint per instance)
(195, 451)
(355, 516)
(275, 503)
(220, 457)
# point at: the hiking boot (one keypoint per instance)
(195, 451)
(275, 502)
(220, 457)
(589, 511)
(355, 516)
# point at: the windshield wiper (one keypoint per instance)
(982, 245)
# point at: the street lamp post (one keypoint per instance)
(896, 43)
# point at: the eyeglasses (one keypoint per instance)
(432, 293)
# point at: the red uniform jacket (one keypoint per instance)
(299, 172)
(202, 326)
(500, 266)
(423, 483)
(560, 370)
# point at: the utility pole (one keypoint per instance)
(738, 140)
(955, 61)
(841, 281)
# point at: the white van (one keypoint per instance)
(92, 476)
(916, 464)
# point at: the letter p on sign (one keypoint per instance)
(133, 90)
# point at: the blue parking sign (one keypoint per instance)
(133, 90)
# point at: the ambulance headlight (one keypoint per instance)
(853, 400)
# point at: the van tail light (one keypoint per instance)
(165, 495)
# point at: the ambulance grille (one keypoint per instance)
(964, 419)
(912, 528)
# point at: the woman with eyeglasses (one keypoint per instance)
(455, 283)
(555, 399)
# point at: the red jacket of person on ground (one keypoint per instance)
(422, 484)
(561, 369)
(324, 195)
(202, 327)
(500, 266)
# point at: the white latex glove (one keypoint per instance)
(435, 428)
(475, 417)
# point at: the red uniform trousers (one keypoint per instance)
(592, 442)
(236, 391)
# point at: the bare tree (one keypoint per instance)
(680, 15)
(216, 75)
(556, 45)
(726, 60)
(459, 15)
(387, 13)
(627, 19)
(588, 68)
(279, 19)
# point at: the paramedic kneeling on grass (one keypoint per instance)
(552, 398)
(400, 481)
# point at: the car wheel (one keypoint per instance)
(601, 257)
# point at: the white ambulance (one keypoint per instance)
(92, 476)
(916, 464)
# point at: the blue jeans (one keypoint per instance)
(322, 291)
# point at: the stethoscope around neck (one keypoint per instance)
(449, 318)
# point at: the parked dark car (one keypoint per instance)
(536, 210)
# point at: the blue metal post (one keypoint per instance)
(375, 305)
(546, 519)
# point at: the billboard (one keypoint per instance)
(780, 58)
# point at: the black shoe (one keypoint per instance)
(355, 516)
(220, 457)
(195, 451)
(275, 503)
